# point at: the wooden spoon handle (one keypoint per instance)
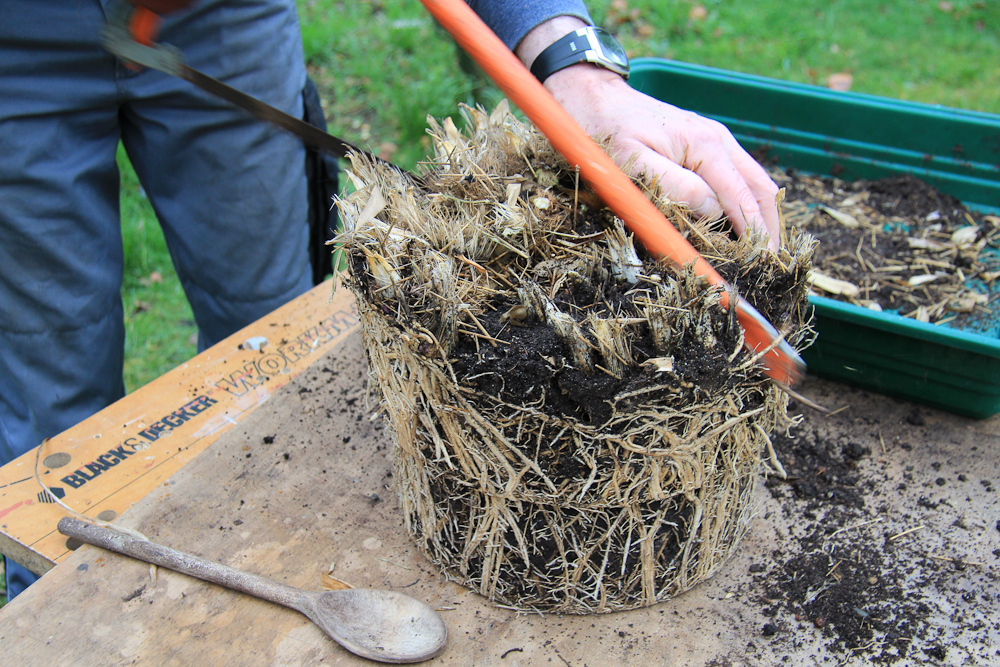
(206, 570)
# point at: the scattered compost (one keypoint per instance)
(899, 244)
(577, 426)
(878, 581)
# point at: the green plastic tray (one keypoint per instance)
(852, 136)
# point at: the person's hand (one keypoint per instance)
(697, 160)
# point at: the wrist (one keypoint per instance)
(588, 44)
(582, 80)
(544, 34)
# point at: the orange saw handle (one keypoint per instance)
(621, 195)
(143, 25)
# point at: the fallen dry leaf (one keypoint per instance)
(386, 150)
(660, 364)
(698, 13)
(840, 81)
(924, 244)
(964, 235)
(832, 285)
(967, 302)
(846, 219)
(923, 279)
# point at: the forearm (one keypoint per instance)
(512, 20)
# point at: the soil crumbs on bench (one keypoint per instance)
(862, 578)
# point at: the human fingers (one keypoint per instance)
(697, 160)
(765, 191)
(727, 175)
(745, 191)
(706, 178)
(708, 148)
(678, 183)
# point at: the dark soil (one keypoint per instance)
(820, 473)
(847, 589)
(897, 209)
(844, 572)
(535, 362)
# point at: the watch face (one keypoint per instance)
(611, 48)
(590, 44)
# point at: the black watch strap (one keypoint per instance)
(586, 45)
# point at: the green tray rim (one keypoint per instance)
(893, 323)
(981, 351)
(651, 64)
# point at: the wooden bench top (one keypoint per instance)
(107, 463)
(301, 487)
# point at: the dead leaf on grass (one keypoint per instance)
(387, 150)
(698, 13)
(840, 81)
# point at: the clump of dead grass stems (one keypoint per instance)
(535, 501)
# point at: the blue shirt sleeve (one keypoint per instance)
(511, 20)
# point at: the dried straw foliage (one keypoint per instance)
(940, 266)
(577, 428)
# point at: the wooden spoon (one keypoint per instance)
(378, 625)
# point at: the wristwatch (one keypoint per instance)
(586, 45)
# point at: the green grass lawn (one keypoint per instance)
(159, 328)
(383, 66)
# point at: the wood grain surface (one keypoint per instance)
(303, 486)
(105, 464)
